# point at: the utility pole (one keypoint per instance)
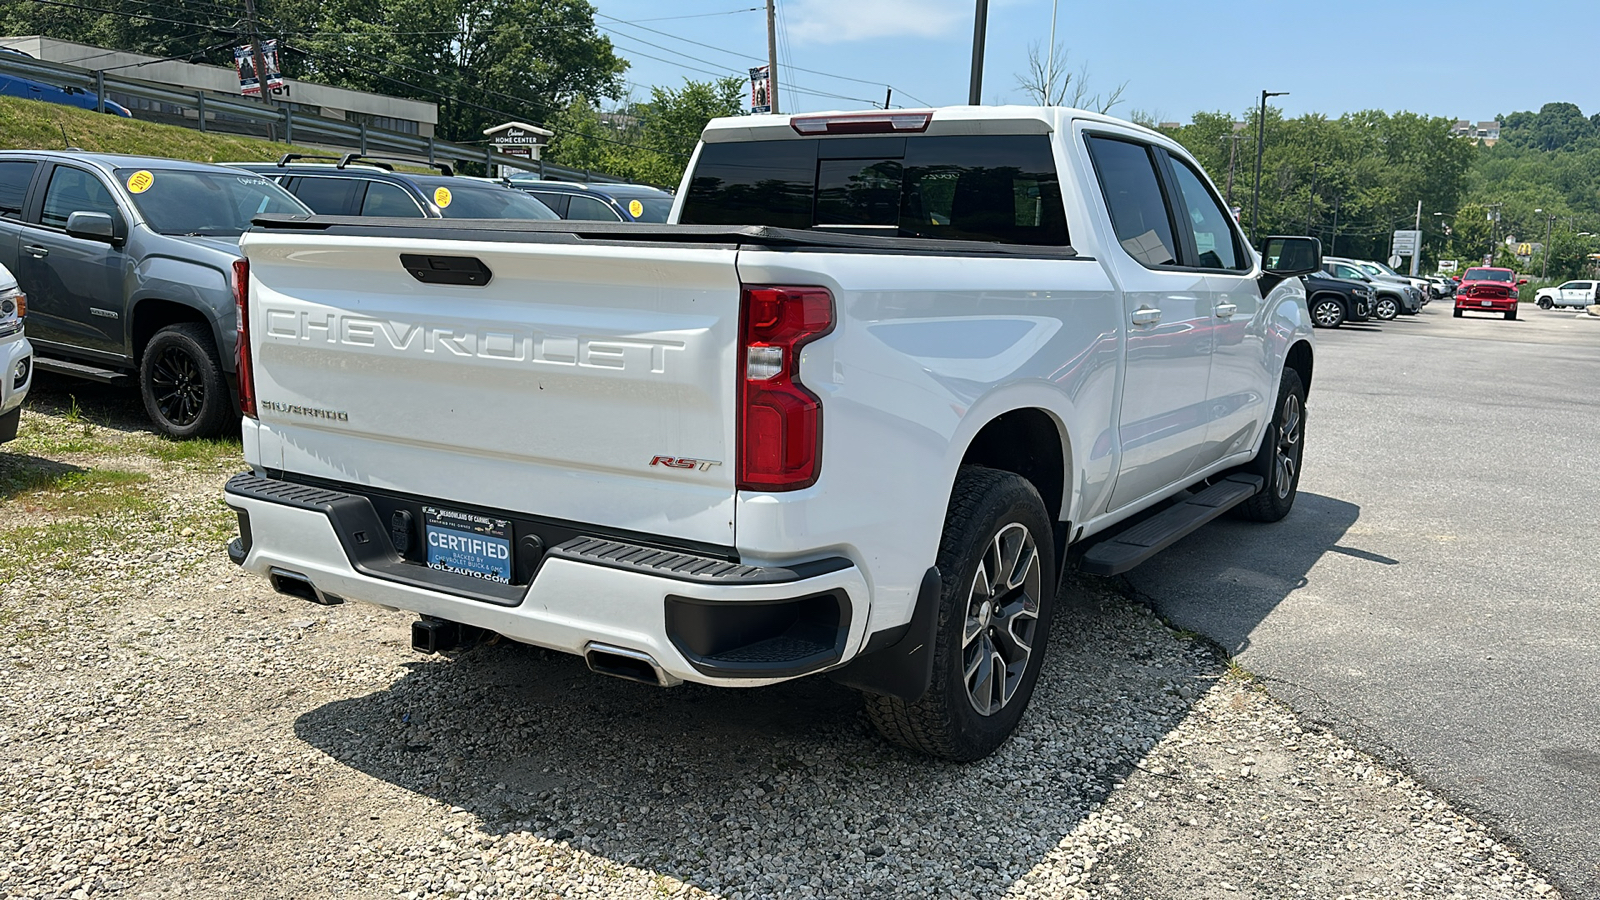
(772, 55)
(1333, 242)
(1311, 197)
(1416, 255)
(979, 25)
(1233, 156)
(1549, 223)
(1050, 65)
(258, 60)
(1261, 135)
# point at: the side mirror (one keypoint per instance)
(92, 226)
(1521, 282)
(1286, 256)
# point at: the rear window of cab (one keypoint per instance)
(999, 188)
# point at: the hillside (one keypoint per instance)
(34, 125)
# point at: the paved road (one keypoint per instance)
(1434, 593)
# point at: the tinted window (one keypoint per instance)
(14, 178)
(556, 202)
(221, 204)
(330, 196)
(591, 210)
(480, 200)
(978, 188)
(1214, 244)
(1133, 197)
(390, 201)
(753, 183)
(74, 190)
(654, 208)
(1487, 275)
(1343, 271)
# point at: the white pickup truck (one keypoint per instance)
(851, 413)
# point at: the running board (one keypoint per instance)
(78, 370)
(1124, 550)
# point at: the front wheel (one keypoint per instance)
(1511, 315)
(1545, 303)
(181, 381)
(1386, 308)
(1278, 459)
(1327, 312)
(1457, 313)
(997, 580)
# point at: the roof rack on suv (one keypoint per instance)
(287, 158)
(445, 169)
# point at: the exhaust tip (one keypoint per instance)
(629, 665)
(294, 584)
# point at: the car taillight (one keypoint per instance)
(241, 300)
(780, 422)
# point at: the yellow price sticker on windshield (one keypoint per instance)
(635, 208)
(140, 181)
(441, 197)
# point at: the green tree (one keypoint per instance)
(649, 141)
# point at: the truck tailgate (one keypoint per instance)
(546, 392)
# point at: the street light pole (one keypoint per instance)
(1261, 135)
(979, 24)
(1549, 223)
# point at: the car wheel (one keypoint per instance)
(1327, 312)
(1511, 315)
(1278, 459)
(997, 580)
(1544, 303)
(1386, 308)
(181, 381)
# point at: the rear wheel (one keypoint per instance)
(1386, 308)
(1278, 459)
(998, 578)
(1327, 312)
(181, 381)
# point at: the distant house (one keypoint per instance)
(1488, 133)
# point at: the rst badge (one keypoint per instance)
(684, 462)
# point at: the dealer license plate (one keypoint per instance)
(468, 544)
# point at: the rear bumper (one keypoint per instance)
(698, 618)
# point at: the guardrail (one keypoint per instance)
(208, 111)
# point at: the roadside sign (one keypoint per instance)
(760, 99)
(244, 59)
(1407, 242)
(1394, 261)
(1447, 265)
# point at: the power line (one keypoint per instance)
(133, 15)
(722, 72)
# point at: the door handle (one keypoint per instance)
(1226, 310)
(1146, 315)
(36, 251)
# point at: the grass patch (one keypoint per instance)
(48, 435)
(206, 452)
(36, 125)
(91, 492)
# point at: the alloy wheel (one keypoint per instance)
(178, 386)
(1002, 617)
(1288, 451)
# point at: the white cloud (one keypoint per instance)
(836, 21)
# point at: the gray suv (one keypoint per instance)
(129, 267)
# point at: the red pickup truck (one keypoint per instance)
(1487, 289)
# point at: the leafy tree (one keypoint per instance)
(649, 141)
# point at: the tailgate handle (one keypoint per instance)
(468, 270)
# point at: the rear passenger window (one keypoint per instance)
(329, 196)
(14, 179)
(998, 188)
(1133, 197)
(588, 209)
(556, 202)
(389, 201)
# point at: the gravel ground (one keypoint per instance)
(170, 727)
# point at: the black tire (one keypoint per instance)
(1511, 315)
(1386, 308)
(1278, 459)
(1327, 312)
(1457, 313)
(986, 506)
(1545, 303)
(180, 378)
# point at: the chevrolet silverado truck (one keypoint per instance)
(851, 412)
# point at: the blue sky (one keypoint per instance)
(1466, 59)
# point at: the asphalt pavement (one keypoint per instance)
(1433, 595)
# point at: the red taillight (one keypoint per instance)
(241, 300)
(780, 422)
(880, 122)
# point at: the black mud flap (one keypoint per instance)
(899, 662)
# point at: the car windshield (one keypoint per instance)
(469, 200)
(1487, 275)
(203, 203)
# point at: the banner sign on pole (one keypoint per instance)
(760, 99)
(245, 59)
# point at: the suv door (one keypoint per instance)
(329, 195)
(1168, 316)
(74, 286)
(15, 177)
(1240, 389)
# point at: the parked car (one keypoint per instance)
(1334, 301)
(16, 355)
(1388, 298)
(599, 202)
(1575, 294)
(1441, 287)
(1488, 289)
(608, 438)
(355, 185)
(129, 267)
(29, 89)
(1412, 298)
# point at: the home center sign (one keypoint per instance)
(519, 139)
